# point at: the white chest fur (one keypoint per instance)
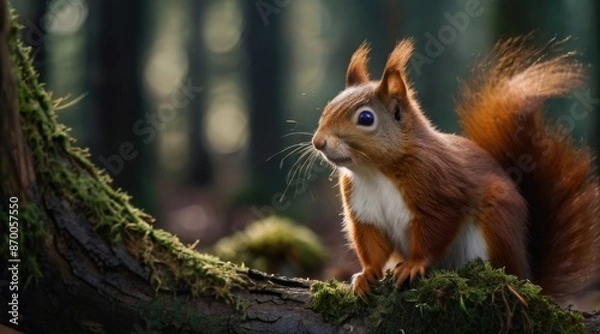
(374, 199)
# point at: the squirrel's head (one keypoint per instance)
(368, 122)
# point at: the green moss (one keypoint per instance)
(202, 274)
(475, 299)
(276, 245)
(65, 171)
(335, 301)
(31, 234)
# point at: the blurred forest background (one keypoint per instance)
(183, 102)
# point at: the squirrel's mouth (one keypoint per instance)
(340, 161)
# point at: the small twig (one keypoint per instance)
(517, 295)
(280, 280)
(509, 315)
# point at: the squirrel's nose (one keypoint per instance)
(319, 142)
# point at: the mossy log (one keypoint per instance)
(90, 262)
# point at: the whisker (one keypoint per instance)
(361, 153)
(333, 172)
(304, 171)
(316, 158)
(308, 170)
(296, 172)
(313, 158)
(301, 183)
(293, 146)
(291, 174)
(300, 149)
(312, 99)
(293, 170)
(293, 122)
(297, 133)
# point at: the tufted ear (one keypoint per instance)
(393, 82)
(357, 73)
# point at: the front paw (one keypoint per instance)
(410, 269)
(361, 282)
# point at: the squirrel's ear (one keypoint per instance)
(393, 81)
(357, 73)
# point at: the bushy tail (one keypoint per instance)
(501, 110)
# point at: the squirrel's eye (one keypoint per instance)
(366, 118)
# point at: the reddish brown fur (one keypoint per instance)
(357, 69)
(445, 184)
(500, 110)
(447, 180)
(499, 205)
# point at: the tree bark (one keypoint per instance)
(17, 170)
(90, 286)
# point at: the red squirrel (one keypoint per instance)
(434, 200)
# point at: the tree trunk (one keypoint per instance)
(122, 146)
(265, 89)
(200, 172)
(105, 269)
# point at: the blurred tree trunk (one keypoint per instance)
(265, 89)
(116, 59)
(516, 17)
(433, 58)
(375, 28)
(200, 168)
(35, 35)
